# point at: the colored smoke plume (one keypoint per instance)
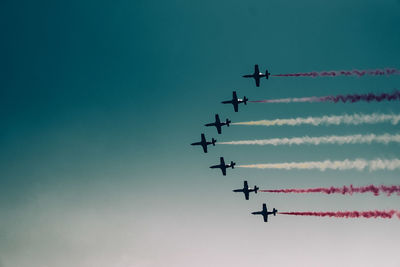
(355, 119)
(359, 73)
(345, 190)
(348, 214)
(370, 97)
(333, 139)
(358, 164)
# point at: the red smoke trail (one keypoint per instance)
(364, 97)
(343, 98)
(345, 190)
(359, 73)
(348, 214)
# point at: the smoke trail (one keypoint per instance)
(359, 73)
(333, 139)
(343, 98)
(345, 190)
(348, 214)
(355, 119)
(358, 164)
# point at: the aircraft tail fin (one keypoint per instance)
(233, 164)
(256, 189)
(275, 211)
(245, 99)
(213, 141)
(228, 122)
(267, 74)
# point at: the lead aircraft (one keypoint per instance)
(218, 124)
(246, 190)
(265, 212)
(204, 143)
(223, 166)
(257, 75)
(236, 101)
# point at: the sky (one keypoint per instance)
(100, 100)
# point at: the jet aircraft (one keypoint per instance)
(236, 101)
(204, 143)
(218, 124)
(246, 190)
(265, 212)
(223, 166)
(257, 75)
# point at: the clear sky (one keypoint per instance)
(99, 101)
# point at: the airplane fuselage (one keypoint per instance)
(244, 190)
(255, 75)
(222, 167)
(219, 124)
(201, 143)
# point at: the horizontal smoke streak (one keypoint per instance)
(340, 140)
(348, 214)
(343, 98)
(355, 119)
(358, 164)
(359, 73)
(345, 190)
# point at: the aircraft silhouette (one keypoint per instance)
(246, 190)
(257, 75)
(204, 143)
(265, 212)
(218, 124)
(236, 101)
(223, 166)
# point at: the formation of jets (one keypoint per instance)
(235, 101)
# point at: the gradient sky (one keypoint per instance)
(100, 101)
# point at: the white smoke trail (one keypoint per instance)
(354, 119)
(333, 139)
(358, 164)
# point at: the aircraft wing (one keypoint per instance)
(234, 95)
(245, 184)
(235, 106)
(257, 81)
(204, 145)
(222, 161)
(217, 118)
(218, 126)
(246, 194)
(203, 138)
(265, 217)
(223, 169)
(256, 69)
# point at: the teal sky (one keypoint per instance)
(99, 102)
